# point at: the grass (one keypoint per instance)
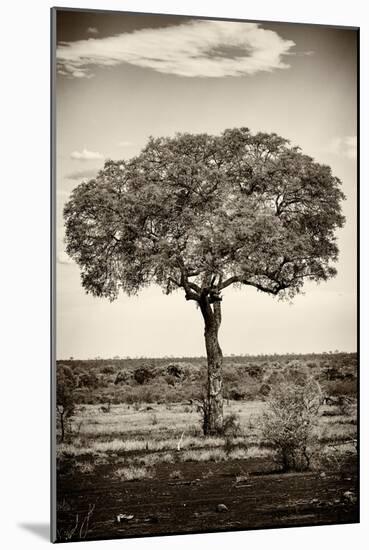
(152, 459)
(143, 439)
(176, 474)
(148, 445)
(85, 467)
(133, 473)
(204, 455)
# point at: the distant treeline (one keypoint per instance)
(121, 361)
(180, 379)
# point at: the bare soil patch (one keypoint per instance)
(190, 504)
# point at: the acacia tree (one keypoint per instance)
(201, 213)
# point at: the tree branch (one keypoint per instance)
(229, 282)
(235, 279)
(174, 282)
(273, 291)
(192, 290)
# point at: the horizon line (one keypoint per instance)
(232, 355)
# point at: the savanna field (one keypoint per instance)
(132, 458)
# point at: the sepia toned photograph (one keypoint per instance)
(205, 191)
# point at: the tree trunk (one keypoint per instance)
(213, 411)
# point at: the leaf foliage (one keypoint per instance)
(202, 212)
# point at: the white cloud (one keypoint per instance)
(85, 154)
(195, 49)
(92, 30)
(344, 146)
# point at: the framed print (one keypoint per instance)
(204, 237)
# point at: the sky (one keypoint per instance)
(124, 77)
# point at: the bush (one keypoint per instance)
(65, 397)
(254, 371)
(88, 380)
(122, 378)
(175, 371)
(288, 422)
(236, 395)
(231, 429)
(142, 375)
(203, 409)
(342, 387)
(265, 390)
(231, 425)
(108, 369)
(170, 380)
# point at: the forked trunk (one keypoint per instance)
(213, 410)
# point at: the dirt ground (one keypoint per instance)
(191, 504)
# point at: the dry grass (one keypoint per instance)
(141, 443)
(149, 445)
(152, 459)
(133, 473)
(85, 467)
(250, 452)
(176, 474)
(207, 455)
(123, 419)
(336, 432)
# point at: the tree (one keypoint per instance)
(65, 402)
(201, 213)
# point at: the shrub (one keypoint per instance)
(343, 387)
(346, 405)
(337, 458)
(288, 422)
(142, 375)
(170, 380)
(203, 408)
(175, 371)
(265, 390)
(88, 380)
(254, 371)
(121, 378)
(108, 369)
(236, 395)
(231, 425)
(231, 429)
(65, 397)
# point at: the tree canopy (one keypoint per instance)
(202, 212)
